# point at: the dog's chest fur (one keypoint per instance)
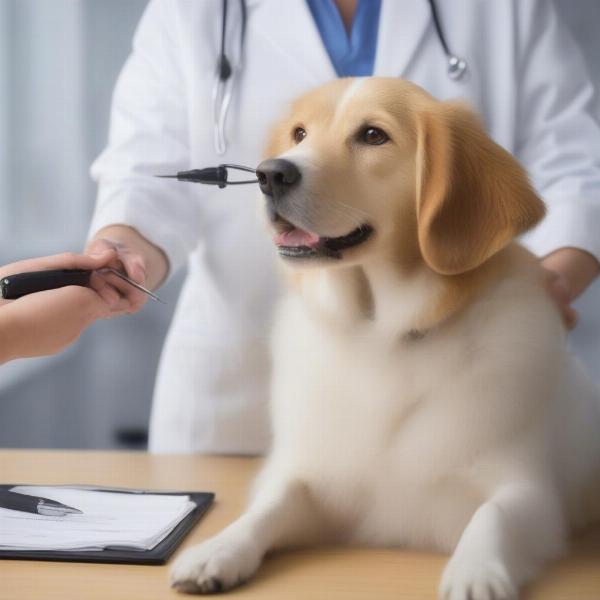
(349, 418)
(398, 435)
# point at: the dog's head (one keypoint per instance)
(364, 166)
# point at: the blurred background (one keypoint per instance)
(59, 60)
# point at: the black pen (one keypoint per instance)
(35, 505)
(16, 286)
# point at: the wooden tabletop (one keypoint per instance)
(324, 574)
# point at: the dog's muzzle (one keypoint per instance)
(276, 178)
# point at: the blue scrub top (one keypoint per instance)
(351, 55)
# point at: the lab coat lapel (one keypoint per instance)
(290, 27)
(402, 25)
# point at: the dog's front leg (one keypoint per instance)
(506, 542)
(280, 515)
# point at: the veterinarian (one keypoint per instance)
(47, 322)
(200, 89)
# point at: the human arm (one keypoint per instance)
(46, 322)
(152, 223)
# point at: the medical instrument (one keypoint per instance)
(212, 175)
(16, 286)
(35, 505)
(130, 281)
(457, 66)
(225, 78)
(226, 74)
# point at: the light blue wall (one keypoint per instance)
(79, 398)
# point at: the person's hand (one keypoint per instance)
(122, 297)
(559, 289)
(46, 322)
(569, 271)
(133, 255)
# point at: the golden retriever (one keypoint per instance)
(422, 394)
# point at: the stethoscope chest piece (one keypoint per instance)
(457, 67)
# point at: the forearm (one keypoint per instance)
(25, 335)
(156, 262)
(20, 336)
(8, 337)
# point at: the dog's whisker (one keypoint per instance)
(347, 212)
(353, 209)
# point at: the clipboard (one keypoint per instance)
(158, 555)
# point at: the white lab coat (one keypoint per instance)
(527, 79)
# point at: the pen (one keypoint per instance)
(35, 505)
(21, 284)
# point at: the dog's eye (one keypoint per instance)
(373, 136)
(299, 134)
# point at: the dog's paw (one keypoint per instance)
(215, 566)
(477, 580)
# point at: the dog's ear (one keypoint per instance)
(473, 197)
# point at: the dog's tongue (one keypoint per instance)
(297, 237)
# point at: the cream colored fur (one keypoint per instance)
(415, 404)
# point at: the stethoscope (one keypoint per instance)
(226, 74)
(457, 66)
(225, 77)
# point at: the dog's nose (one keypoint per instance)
(276, 176)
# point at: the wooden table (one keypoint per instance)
(324, 574)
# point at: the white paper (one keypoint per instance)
(128, 521)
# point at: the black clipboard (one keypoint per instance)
(157, 556)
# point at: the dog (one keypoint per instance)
(422, 392)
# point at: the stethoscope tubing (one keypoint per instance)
(457, 66)
(226, 75)
(225, 78)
